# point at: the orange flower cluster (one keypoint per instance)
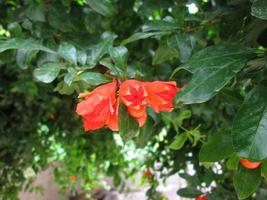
(100, 107)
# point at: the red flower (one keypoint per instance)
(148, 174)
(201, 198)
(133, 95)
(72, 178)
(249, 165)
(160, 95)
(99, 108)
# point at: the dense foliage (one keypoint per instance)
(215, 50)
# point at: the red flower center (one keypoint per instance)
(136, 96)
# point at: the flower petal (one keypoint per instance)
(160, 95)
(113, 120)
(97, 108)
(141, 120)
(141, 111)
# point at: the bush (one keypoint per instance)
(215, 50)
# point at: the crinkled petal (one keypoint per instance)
(113, 120)
(137, 112)
(87, 106)
(97, 107)
(160, 95)
(141, 120)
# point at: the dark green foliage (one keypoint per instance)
(51, 50)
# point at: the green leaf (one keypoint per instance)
(217, 56)
(185, 114)
(145, 134)
(221, 193)
(23, 44)
(68, 52)
(259, 9)
(218, 147)
(99, 50)
(163, 53)
(191, 180)
(81, 57)
(103, 7)
(250, 125)
(36, 12)
(120, 56)
(189, 192)
(184, 45)
(140, 36)
(68, 78)
(207, 82)
(178, 142)
(63, 88)
(94, 78)
(264, 170)
(159, 25)
(47, 72)
(15, 29)
(246, 181)
(128, 125)
(24, 57)
(232, 162)
(213, 68)
(108, 64)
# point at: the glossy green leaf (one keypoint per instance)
(24, 44)
(99, 50)
(128, 125)
(189, 192)
(233, 162)
(103, 7)
(24, 57)
(217, 56)
(64, 89)
(178, 142)
(207, 82)
(140, 36)
(47, 72)
(108, 64)
(68, 78)
(120, 56)
(250, 125)
(218, 147)
(259, 9)
(213, 68)
(163, 53)
(93, 78)
(68, 52)
(183, 44)
(160, 25)
(246, 181)
(81, 57)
